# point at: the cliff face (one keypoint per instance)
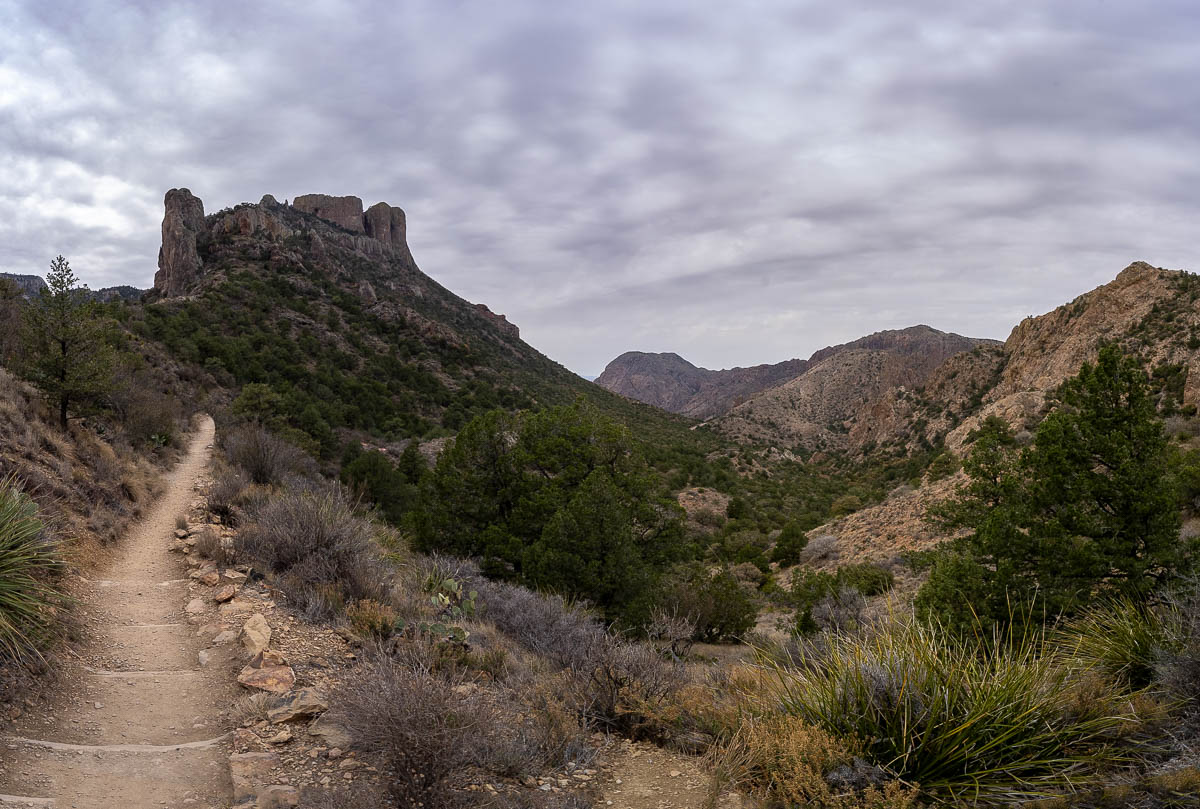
(27, 285)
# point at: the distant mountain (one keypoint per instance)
(29, 285)
(797, 401)
(672, 383)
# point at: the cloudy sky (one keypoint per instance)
(736, 182)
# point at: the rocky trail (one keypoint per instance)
(132, 724)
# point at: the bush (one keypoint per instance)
(965, 721)
(322, 554)
(27, 558)
(868, 578)
(790, 763)
(546, 625)
(225, 495)
(266, 458)
(791, 543)
(838, 595)
(371, 619)
(714, 601)
(209, 546)
(415, 724)
(1123, 639)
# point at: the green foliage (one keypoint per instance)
(559, 499)
(969, 722)
(714, 600)
(27, 559)
(374, 476)
(1090, 507)
(791, 543)
(810, 587)
(66, 353)
(1123, 638)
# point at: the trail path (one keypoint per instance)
(133, 725)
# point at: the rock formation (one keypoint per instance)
(345, 212)
(178, 260)
(27, 285)
(500, 321)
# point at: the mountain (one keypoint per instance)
(1150, 312)
(802, 402)
(28, 285)
(320, 303)
(672, 383)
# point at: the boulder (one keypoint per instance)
(332, 733)
(300, 704)
(256, 633)
(248, 770)
(273, 679)
(195, 606)
(225, 593)
(277, 796)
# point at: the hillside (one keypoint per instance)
(322, 303)
(1149, 311)
(815, 410)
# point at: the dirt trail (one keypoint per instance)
(133, 725)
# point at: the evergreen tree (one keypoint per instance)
(66, 354)
(1090, 507)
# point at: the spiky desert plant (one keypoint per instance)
(973, 721)
(27, 557)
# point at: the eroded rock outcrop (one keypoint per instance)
(345, 212)
(178, 260)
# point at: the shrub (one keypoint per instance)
(965, 721)
(225, 495)
(714, 601)
(27, 558)
(791, 763)
(319, 550)
(209, 546)
(791, 543)
(415, 724)
(266, 458)
(1123, 639)
(371, 619)
(868, 578)
(546, 625)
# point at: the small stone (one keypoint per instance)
(195, 606)
(210, 579)
(225, 593)
(204, 656)
(181, 533)
(234, 576)
(674, 773)
(282, 737)
(224, 638)
(247, 770)
(277, 796)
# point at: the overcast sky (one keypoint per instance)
(736, 182)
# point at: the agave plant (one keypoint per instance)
(28, 556)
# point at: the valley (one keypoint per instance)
(508, 586)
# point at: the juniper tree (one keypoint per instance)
(66, 355)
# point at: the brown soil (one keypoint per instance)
(642, 776)
(131, 723)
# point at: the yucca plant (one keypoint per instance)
(1123, 638)
(27, 557)
(969, 721)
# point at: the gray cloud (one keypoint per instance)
(737, 184)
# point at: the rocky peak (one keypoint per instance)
(178, 260)
(27, 285)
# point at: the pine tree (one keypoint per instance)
(66, 355)
(1090, 507)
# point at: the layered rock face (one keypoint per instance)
(178, 261)
(28, 285)
(346, 212)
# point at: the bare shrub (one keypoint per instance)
(414, 723)
(266, 458)
(317, 548)
(250, 709)
(841, 611)
(371, 619)
(671, 633)
(546, 625)
(357, 795)
(820, 548)
(209, 546)
(181, 522)
(225, 495)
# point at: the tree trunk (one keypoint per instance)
(62, 412)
